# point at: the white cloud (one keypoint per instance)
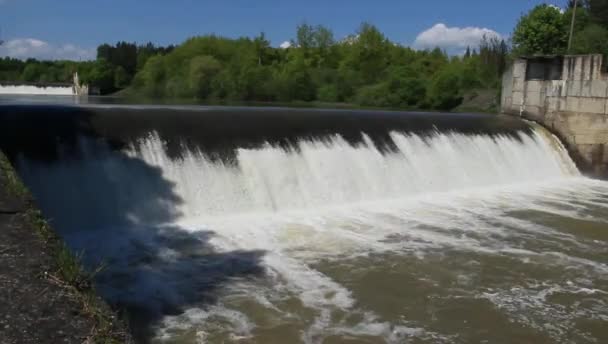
(561, 10)
(23, 48)
(285, 45)
(452, 39)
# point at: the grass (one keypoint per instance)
(69, 272)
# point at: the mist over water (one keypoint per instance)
(448, 237)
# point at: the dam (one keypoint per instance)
(37, 89)
(275, 225)
(75, 88)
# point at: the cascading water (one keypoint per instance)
(317, 174)
(433, 235)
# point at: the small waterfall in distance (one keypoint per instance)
(36, 90)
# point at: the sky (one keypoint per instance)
(72, 29)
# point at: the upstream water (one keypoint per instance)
(447, 237)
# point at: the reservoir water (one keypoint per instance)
(272, 225)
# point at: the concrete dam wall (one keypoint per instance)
(42, 88)
(64, 90)
(569, 96)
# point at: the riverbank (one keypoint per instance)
(482, 101)
(45, 294)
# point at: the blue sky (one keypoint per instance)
(73, 28)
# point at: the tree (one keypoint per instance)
(592, 40)
(305, 36)
(444, 91)
(369, 53)
(261, 46)
(102, 76)
(32, 72)
(544, 30)
(598, 10)
(151, 79)
(202, 71)
(121, 78)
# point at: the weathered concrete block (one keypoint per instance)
(574, 88)
(518, 84)
(571, 104)
(535, 99)
(585, 88)
(586, 152)
(519, 69)
(553, 104)
(555, 88)
(535, 86)
(598, 88)
(591, 138)
(592, 105)
(585, 105)
(517, 99)
(506, 103)
(534, 110)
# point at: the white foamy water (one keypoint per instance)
(317, 174)
(29, 89)
(450, 206)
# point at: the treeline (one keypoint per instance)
(32, 70)
(365, 68)
(546, 29)
(122, 61)
(114, 68)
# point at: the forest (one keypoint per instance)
(364, 69)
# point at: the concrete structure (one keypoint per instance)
(79, 88)
(569, 96)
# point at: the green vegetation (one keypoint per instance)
(545, 29)
(69, 272)
(113, 70)
(364, 69)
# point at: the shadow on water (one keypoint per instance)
(119, 211)
(122, 211)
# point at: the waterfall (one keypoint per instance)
(36, 90)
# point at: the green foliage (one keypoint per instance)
(598, 10)
(592, 39)
(328, 93)
(545, 30)
(366, 68)
(373, 95)
(121, 78)
(542, 31)
(102, 76)
(201, 73)
(444, 92)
